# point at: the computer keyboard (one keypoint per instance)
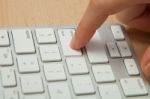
(37, 63)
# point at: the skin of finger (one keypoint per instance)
(91, 20)
(95, 15)
(145, 63)
(136, 17)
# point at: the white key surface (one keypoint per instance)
(36, 96)
(133, 87)
(113, 50)
(23, 41)
(59, 90)
(117, 32)
(49, 53)
(82, 85)
(45, 35)
(77, 65)
(87, 97)
(27, 64)
(54, 72)
(8, 77)
(31, 84)
(131, 67)
(4, 39)
(65, 36)
(96, 50)
(103, 73)
(11, 94)
(124, 49)
(109, 91)
(6, 57)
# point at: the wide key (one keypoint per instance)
(23, 41)
(96, 50)
(133, 87)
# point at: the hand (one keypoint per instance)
(135, 13)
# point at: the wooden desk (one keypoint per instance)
(56, 12)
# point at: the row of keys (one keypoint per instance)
(81, 85)
(121, 49)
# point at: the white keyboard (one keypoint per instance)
(37, 63)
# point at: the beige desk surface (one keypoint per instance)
(56, 12)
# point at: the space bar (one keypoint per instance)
(96, 50)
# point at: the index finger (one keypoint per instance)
(92, 19)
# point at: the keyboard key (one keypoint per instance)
(59, 90)
(65, 36)
(107, 91)
(87, 97)
(11, 94)
(35, 96)
(103, 73)
(124, 49)
(82, 85)
(31, 84)
(8, 77)
(45, 35)
(5, 57)
(133, 87)
(77, 65)
(4, 39)
(23, 41)
(54, 72)
(96, 50)
(27, 64)
(131, 67)
(113, 50)
(50, 53)
(117, 32)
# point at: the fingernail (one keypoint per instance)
(73, 43)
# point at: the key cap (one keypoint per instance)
(96, 50)
(23, 41)
(133, 87)
(117, 32)
(27, 64)
(103, 73)
(87, 97)
(54, 72)
(5, 57)
(124, 49)
(35, 96)
(107, 91)
(8, 77)
(31, 84)
(113, 50)
(4, 39)
(65, 36)
(45, 35)
(77, 65)
(131, 67)
(11, 94)
(50, 53)
(59, 90)
(82, 85)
